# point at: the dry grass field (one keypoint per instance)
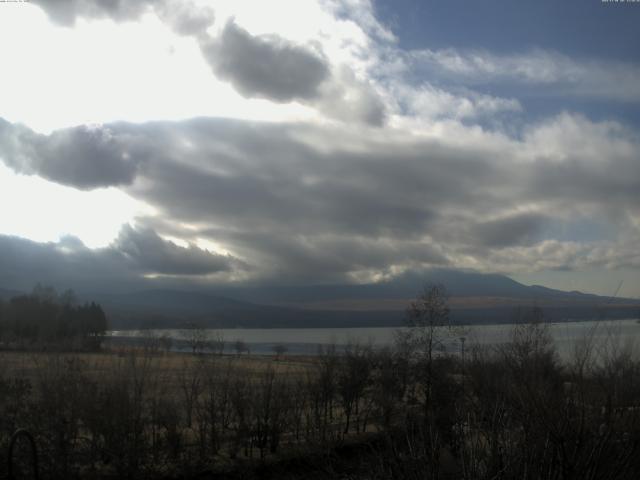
(168, 364)
(361, 413)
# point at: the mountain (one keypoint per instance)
(176, 309)
(459, 283)
(172, 301)
(474, 298)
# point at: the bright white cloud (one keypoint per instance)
(430, 103)
(34, 208)
(101, 71)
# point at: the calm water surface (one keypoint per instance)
(566, 335)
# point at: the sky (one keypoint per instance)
(301, 142)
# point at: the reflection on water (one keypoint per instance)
(566, 335)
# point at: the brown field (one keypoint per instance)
(167, 367)
(28, 363)
(396, 414)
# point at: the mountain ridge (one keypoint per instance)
(474, 298)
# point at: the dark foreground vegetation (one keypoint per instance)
(411, 412)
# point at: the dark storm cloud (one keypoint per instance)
(82, 157)
(298, 201)
(67, 263)
(147, 251)
(265, 66)
(519, 229)
(612, 181)
(122, 265)
(326, 258)
(261, 176)
(298, 198)
(279, 201)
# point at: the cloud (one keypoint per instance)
(430, 103)
(518, 229)
(67, 263)
(361, 12)
(185, 17)
(351, 100)
(84, 157)
(323, 203)
(280, 193)
(65, 12)
(148, 252)
(265, 66)
(566, 256)
(410, 159)
(127, 263)
(273, 68)
(269, 67)
(589, 163)
(559, 74)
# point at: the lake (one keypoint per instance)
(305, 341)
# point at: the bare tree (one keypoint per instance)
(196, 338)
(352, 379)
(191, 386)
(240, 346)
(149, 340)
(166, 342)
(428, 320)
(279, 349)
(216, 342)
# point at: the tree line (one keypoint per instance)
(44, 319)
